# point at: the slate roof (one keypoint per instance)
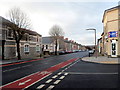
(47, 40)
(4, 21)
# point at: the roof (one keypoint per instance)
(47, 40)
(4, 21)
(31, 32)
(110, 10)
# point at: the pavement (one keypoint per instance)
(101, 60)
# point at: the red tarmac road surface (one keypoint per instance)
(29, 80)
(19, 62)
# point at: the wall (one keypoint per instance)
(111, 24)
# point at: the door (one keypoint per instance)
(113, 48)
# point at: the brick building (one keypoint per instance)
(30, 44)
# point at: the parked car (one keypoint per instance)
(61, 52)
(91, 51)
(68, 52)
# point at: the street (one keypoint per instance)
(59, 72)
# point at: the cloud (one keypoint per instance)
(73, 17)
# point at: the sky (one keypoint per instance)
(73, 16)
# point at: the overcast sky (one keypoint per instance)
(74, 16)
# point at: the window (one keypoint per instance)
(37, 47)
(10, 34)
(26, 48)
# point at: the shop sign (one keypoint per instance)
(112, 34)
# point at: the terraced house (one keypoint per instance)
(30, 44)
(110, 39)
(64, 45)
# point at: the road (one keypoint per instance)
(63, 71)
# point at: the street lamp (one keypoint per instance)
(95, 40)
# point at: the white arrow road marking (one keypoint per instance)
(22, 83)
(44, 72)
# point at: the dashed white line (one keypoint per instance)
(41, 86)
(50, 87)
(48, 81)
(63, 71)
(62, 77)
(66, 74)
(57, 81)
(59, 73)
(26, 65)
(55, 76)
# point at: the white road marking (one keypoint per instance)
(63, 71)
(55, 76)
(22, 83)
(90, 73)
(26, 66)
(44, 72)
(38, 80)
(41, 86)
(66, 74)
(57, 81)
(62, 77)
(66, 65)
(48, 81)
(59, 73)
(50, 87)
(65, 68)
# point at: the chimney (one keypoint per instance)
(62, 37)
(66, 39)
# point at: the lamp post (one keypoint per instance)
(95, 40)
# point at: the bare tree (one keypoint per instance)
(56, 32)
(19, 22)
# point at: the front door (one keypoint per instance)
(113, 48)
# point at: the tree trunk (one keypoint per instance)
(18, 50)
(56, 47)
